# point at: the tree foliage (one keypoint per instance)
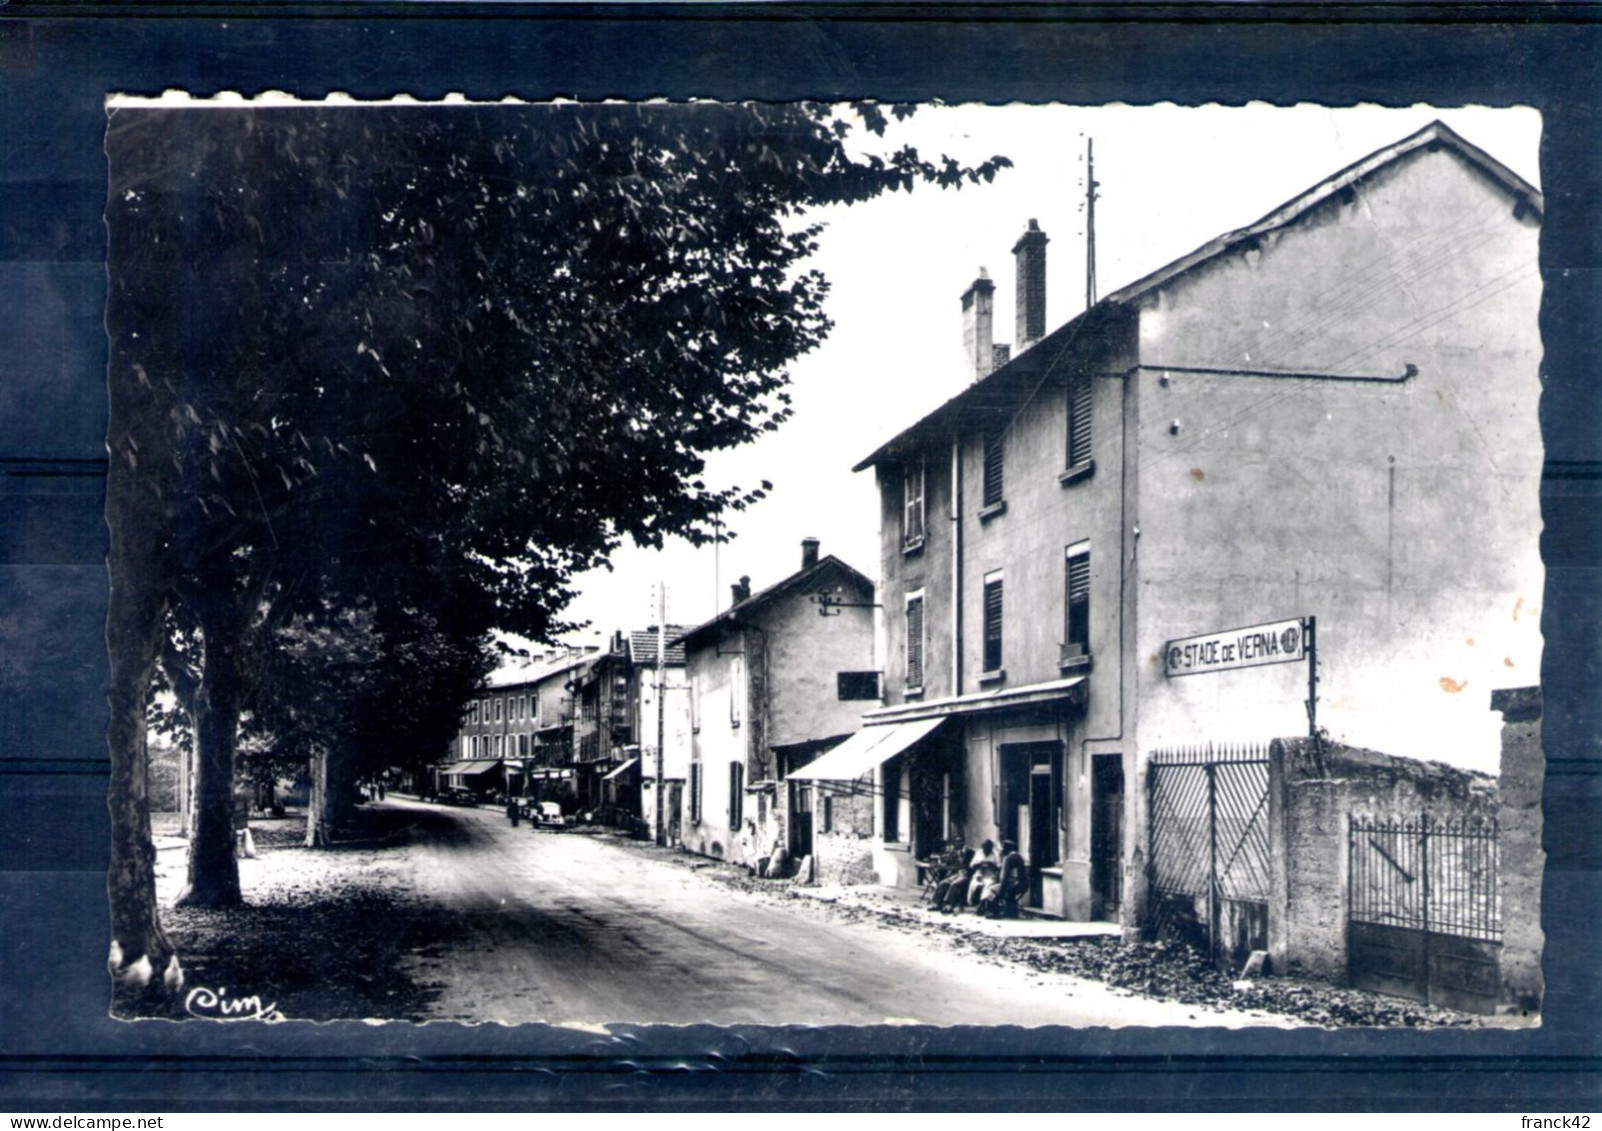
(419, 366)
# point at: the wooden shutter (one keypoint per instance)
(912, 525)
(736, 794)
(915, 642)
(1079, 602)
(993, 625)
(695, 792)
(1078, 421)
(995, 451)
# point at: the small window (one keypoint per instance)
(892, 801)
(1077, 599)
(736, 794)
(498, 703)
(912, 487)
(915, 640)
(992, 631)
(857, 685)
(995, 458)
(1079, 398)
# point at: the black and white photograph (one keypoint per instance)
(867, 564)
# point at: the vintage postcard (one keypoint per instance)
(804, 564)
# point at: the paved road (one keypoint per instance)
(575, 929)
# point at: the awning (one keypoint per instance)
(549, 775)
(621, 770)
(514, 764)
(470, 768)
(999, 699)
(869, 747)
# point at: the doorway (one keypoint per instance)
(1031, 806)
(1106, 835)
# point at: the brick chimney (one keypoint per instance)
(809, 553)
(978, 325)
(1029, 259)
(741, 589)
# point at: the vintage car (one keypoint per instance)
(548, 815)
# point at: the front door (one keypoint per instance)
(1106, 835)
(800, 820)
(1031, 784)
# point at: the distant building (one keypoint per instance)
(643, 647)
(1330, 413)
(772, 679)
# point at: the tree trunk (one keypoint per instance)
(142, 960)
(321, 811)
(213, 868)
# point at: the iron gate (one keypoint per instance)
(1423, 919)
(1208, 874)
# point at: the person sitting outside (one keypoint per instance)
(999, 900)
(982, 870)
(950, 869)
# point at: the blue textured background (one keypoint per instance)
(59, 1052)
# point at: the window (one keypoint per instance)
(467, 747)
(736, 794)
(472, 713)
(995, 452)
(857, 685)
(522, 746)
(892, 801)
(915, 641)
(1076, 580)
(828, 813)
(992, 636)
(1079, 397)
(695, 793)
(498, 703)
(912, 484)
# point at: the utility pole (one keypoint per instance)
(660, 829)
(1090, 222)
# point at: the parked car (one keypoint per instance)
(458, 795)
(549, 815)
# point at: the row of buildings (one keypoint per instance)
(1325, 422)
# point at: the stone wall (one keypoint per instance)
(1523, 859)
(1312, 794)
(843, 854)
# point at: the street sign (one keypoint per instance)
(1282, 642)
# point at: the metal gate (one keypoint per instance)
(1208, 874)
(1423, 919)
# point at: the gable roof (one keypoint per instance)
(642, 646)
(775, 592)
(995, 389)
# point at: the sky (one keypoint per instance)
(1170, 178)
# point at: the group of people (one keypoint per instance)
(983, 879)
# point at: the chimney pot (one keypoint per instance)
(809, 553)
(1029, 260)
(978, 325)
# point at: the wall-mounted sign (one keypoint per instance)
(1282, 642)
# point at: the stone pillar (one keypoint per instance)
(1523, 861)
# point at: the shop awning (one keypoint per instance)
(869, 747)
(470, 768)
(621, 770)
(549, 775)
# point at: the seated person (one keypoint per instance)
(1000, 897)
(950, 870)
(983, 868)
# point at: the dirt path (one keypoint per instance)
(571, 929)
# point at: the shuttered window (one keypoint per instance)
(1077, 579)
(915, 641)
(995, 452)
(912, 499)
(695, 792)
(1078, 421)
(992, 637)
(736, 794)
